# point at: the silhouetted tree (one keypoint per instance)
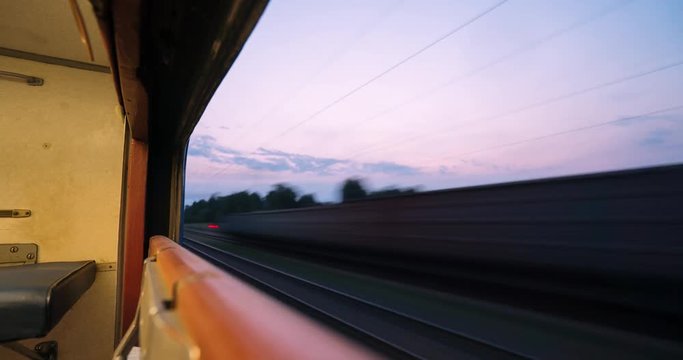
(281, 197)
(197, 212)
(211, 210)
(240, 202)
(353, 189)
(307, 201)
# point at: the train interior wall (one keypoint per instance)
(61, 156)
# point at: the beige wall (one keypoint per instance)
(61, 148)
(61, 157)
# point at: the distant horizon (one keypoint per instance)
(420, 189)
(448, 95)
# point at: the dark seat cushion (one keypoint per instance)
(33, 298)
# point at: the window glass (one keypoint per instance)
(421, 95)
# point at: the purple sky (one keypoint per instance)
(326, 90)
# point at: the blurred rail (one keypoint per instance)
(405, 321)
(397, 332)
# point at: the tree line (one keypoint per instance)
(281, 196)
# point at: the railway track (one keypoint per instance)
(407, 322)
(397, 333)
(603, 248)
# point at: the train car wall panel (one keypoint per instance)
(61, 158)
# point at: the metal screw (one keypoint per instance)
(30, 256)
(14, 249)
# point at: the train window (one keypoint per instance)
(337, 100)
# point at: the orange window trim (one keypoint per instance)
(134, 230)
(228, 318)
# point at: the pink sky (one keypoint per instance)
(309, 101)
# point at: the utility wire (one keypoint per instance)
(358, 35)
(373, 148)
(388, 70)
(502, 59)
(569, 131)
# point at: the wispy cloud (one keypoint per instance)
(655, 131)
(656, 137)
(299, 162)
(473, 166)
(388, 168)
(206, 146)
(256, 164)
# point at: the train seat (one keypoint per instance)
(34, 297)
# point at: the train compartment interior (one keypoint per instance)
(99, 259)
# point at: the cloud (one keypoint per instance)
(262, 159)
(299, 162)
(656, 137)
(473, 166)
(654, 131)
(206, 146)
(388, 168)
(255, 164)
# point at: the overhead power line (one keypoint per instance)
(569, 131)
(548, 101)
(502, 59)
(243, 135)
(388, 70)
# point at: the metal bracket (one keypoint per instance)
(15, 213)
(30, 80)
(46, 350)
(103, 267)
(18, 254)
(129, 339)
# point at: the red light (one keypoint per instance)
(213, 226)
